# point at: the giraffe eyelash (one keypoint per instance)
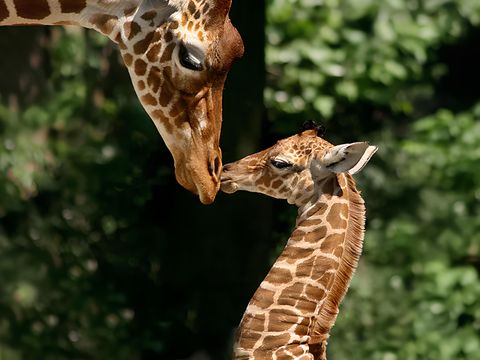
(280, 164)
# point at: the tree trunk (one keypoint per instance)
(23, 65)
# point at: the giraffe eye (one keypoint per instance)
(280, 164)
(189, 60)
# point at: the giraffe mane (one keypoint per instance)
(349, 261)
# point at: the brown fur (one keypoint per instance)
(353, 249)
(34, 10)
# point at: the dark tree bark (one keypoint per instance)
(218, 253)
(23, 65)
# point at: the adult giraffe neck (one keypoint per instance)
(293, 310)
(85, 13)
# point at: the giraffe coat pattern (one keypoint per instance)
(293, 310)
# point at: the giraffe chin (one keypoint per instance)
(202, 185)
(228, 187)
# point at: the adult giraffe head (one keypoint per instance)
(179, 53)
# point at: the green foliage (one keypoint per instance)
(326, 55)
(56, 220)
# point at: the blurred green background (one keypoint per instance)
(104, 256)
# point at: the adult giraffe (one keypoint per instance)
(178, 54)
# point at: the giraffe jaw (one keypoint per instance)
(228, 186)
(227, 179)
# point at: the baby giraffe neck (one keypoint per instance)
(293, 310)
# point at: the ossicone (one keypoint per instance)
(312, 125)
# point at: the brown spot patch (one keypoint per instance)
(256, 322)
(168, 36)
(119, 41)
(293, 291)
(141, 46)
(29, 9)
(3, 11)
(104, 23)
(131, 29)
(265, 181)
(287, 301)
(175, 111)
(326, 280)
(141, 85)
(248, 338)
(338, 251)
(159, 115)
(305, 268)
(152, 53)
(167, 72)
(310, 222)
(275, 341)
(140, 67)
(318, 209)
(154, 81)
(72, 6)
(331, 242)
(149, 15)
(306, 306)
(279, 276)
(263, 298)
(297, 352)
(282, 354)
(314, 293)
(167, 53)
(293, 253)
(297, 234)
(277, 183)
(184, 19)
(337, 215)
(149, 100)
(165, 95)
(128, 59)
(322, 265)
(316, 235)
(191, 7)
(130, 11)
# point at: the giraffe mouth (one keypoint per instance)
(198, 177)
(227, 184)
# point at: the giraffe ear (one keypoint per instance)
(349, 158)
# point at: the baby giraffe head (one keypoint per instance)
(290, 168)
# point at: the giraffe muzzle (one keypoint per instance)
(227, 183)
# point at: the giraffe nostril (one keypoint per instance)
(215, 167)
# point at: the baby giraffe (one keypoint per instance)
(292, 312)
